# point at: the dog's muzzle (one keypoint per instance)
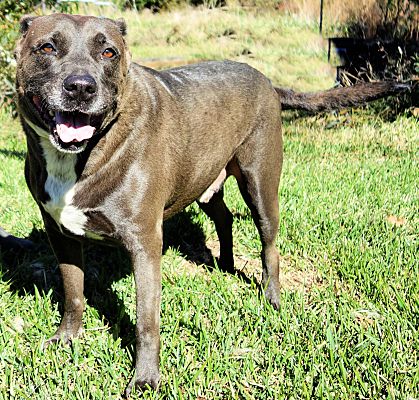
(72, 125)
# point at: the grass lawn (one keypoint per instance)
(348, 326)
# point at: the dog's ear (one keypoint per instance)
(25, 23)
(122, 26)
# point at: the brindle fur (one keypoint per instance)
(165, 140)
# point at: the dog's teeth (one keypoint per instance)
(51, 113)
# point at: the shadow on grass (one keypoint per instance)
(188, 238)
(26, 270)
(37, 268)
(182, 234)
(13, 153)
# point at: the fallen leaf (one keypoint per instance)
(17, 324)
(397, 221)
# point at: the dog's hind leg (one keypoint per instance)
(259, 163)
(218, 212)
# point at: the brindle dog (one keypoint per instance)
(115, 148)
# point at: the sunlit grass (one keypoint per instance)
(348, 326)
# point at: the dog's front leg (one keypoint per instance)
(146, 258)
(69, 253)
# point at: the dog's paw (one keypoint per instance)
(272, 295)
(143, 381)
(64, 337)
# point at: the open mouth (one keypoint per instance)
(69, 131)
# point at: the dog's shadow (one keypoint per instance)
(26, 270)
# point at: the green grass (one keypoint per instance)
(348, 326)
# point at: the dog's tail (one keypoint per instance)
(339, 97)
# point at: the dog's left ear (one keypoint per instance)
(120, 23)
(25, 23)
(122, 26)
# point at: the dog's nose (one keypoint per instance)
(80, 87)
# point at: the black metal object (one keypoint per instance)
(321, 17)
(360, 56)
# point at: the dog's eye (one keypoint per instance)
(109, 53)
(47, 48)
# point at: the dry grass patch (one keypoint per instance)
(302, 278)
(334, 11)
(275, 45)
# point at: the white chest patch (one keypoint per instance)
(60, 186)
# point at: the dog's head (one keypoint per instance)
(71, 71)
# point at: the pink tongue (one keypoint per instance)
(73, 127)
